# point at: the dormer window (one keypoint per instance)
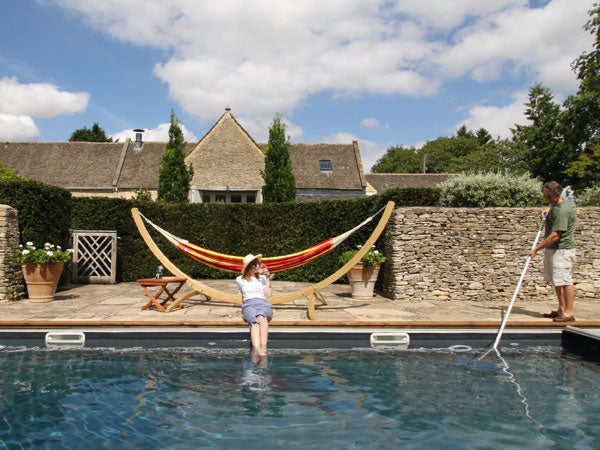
(325, 165)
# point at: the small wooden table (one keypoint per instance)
(163, 283)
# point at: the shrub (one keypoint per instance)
(491, 190)
(373, 256)
(7, 174)
(589, 197)
(44, 211)
(33, 254)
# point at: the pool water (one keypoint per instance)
(186, 398)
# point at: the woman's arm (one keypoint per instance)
(266, 282)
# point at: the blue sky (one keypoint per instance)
(383, 72)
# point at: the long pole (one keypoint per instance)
(499, 335)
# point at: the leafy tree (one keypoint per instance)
(8, 174)
(280, 185)
(548, 155)
(94, 134)
(399, 159)
(455, 154)
(174, 177)
(447, 154)
(582, 115)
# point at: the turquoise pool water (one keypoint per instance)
(184, 398)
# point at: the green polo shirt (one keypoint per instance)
(561, 218)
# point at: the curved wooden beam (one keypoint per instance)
(308, 292)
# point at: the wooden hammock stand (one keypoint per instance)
(311, 293)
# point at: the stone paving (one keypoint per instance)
(123, 302)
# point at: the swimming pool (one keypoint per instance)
(539, 397)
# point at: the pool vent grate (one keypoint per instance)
(460, 348)
(390, 340)
(65, 338)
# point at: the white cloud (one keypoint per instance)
(158, 134)
(370, 151)
(373, 123)
(498, 119)
(445, 15)
(43, 100)
(20, 102)
(15, 128)
(540, 41)
(370, 122)
(265, 56)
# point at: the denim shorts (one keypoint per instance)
(254, 307)
(558, 266)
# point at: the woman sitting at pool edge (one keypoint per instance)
(255, 285)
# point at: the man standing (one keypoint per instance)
(559, 253)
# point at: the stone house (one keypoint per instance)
(226, 161)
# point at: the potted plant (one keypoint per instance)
(363, 275)
(42, 268)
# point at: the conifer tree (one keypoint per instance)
(174, 177)
(280, 185)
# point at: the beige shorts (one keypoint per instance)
(558, 266)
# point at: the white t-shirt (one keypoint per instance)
(253, 288)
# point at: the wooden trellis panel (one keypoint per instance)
(94, 256)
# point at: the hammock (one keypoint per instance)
(232, 263)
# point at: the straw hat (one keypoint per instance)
(248, 259)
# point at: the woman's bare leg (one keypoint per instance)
(264, 334)
(255, 337)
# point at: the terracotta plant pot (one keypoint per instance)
(362, 280)
(42, 279)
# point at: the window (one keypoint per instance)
(325, 165)
(224, 196)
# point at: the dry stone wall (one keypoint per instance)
(11, 279)
(479, 254)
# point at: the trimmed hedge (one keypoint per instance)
(44, 211)
(271, 229)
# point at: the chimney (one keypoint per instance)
(138, 139)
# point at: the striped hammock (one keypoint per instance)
(232, 263)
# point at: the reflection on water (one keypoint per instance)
(173, 397)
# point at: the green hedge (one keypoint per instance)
(44, 211)
(271, 229)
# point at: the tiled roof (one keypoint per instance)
(384, 181)
(346, 173)
(64, 164)
(227, 156)
(141, 167)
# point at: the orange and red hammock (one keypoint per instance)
(232, 263)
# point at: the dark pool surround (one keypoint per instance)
(283, 339)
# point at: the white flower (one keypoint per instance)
(70, 250)
(25, 252)
(20, 245)
(47, 244)
(359, 246)
(376, 252)
(49, 253)
(29, 244)
(58, 247)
